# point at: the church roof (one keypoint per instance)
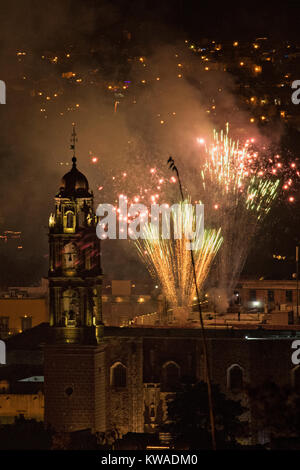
(74, 183)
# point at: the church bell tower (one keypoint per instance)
(73, 357)
(75, 274)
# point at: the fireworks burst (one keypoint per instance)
(236, 182)
(237, 198)
(169, 260)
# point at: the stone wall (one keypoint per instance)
(80, 391)
(70, 387)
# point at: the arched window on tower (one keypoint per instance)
(118, 375)
(69, 221)
(235, 380)
(170, 377)
(70, 308)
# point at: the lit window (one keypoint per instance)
(69, 221)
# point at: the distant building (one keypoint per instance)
(13, 405)
(123, 300)
(22, 308)
(21, 387)
(11, 238)
(126, 302)
(268, 294)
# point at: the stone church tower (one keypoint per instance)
(75, 274)
(75, 280)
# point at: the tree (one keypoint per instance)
(25, 434)
(188, 417)
(275, 410)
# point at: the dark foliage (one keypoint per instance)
(25, 435)
(188, 418)
(276, 412)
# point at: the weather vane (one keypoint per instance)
(73, 142)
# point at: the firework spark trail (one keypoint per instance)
(169, 261)
(237, 199)
(137, 181)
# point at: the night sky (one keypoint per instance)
(102, 39)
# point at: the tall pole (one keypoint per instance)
(205, 352)
(297, 282)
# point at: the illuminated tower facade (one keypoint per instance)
(74, 354)
(75, 274)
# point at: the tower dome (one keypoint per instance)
(74, 184)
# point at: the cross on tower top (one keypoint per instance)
(73, 143)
